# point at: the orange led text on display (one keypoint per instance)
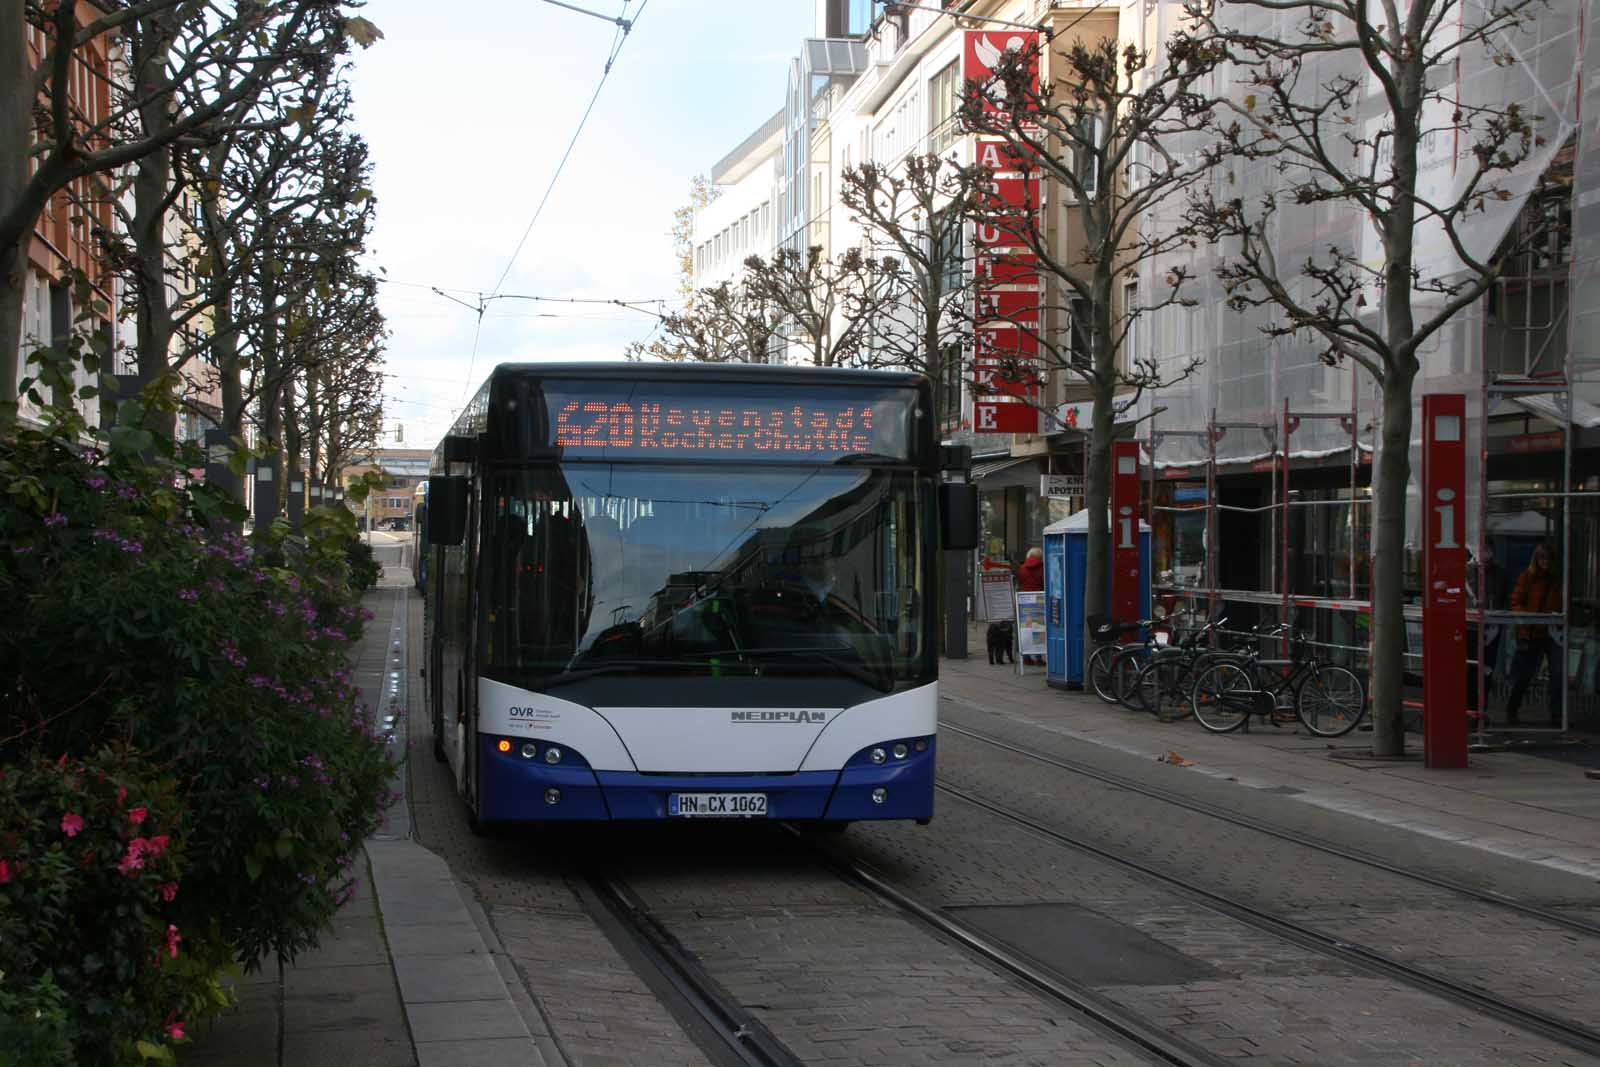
(654, 427)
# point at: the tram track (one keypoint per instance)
(1533, 1020)
(1201, 807)
(726, 1031)
(1093, 1007)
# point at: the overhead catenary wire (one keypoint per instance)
(624, 28)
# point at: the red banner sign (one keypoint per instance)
(1444, 569)
(1004, 416)
(981, 53)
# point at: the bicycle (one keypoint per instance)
(1329, 700)
(1164, 681)
(1106, 631)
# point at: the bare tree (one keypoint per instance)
(701, 193)
(43, 120)
(1308, 92)
(1098, 132)
(914, 216)
(829, 306)
(722, 323)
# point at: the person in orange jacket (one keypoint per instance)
(1538, 591)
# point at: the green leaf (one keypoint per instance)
(252, 867)
(284, 847)
(362, 32)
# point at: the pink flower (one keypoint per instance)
(155, 846)
(71, 824)
(122, 794)
(173, 937)
(136, 815)
(175, 1031)
(168, 891)
(5, 872)
(134, 858)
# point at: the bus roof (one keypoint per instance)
(738, 372)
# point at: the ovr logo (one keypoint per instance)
(525, 713)
(780, 716)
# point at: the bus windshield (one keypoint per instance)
(707, 571)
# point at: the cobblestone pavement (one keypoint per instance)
(841, 978)
(596, 1009)
(1268, 1000)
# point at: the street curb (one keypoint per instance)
(456, 1001)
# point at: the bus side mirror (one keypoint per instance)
(958, 515)
(459, 448)
(447, 509)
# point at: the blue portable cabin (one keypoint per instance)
(1066, 561)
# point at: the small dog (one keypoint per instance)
(1001, 643)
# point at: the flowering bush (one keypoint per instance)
(135, 620)
(91, 862)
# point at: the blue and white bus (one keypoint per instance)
(679, 591)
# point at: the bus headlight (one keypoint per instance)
(900, 750)
(552, 755)
(879, 755)
(879, 795)
(529, 750)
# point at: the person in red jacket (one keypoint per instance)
(1538, 591)
(1030, 576)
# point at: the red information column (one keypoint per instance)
(1444, 568)
(1125, 530)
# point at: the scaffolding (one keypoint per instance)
(1279, 460)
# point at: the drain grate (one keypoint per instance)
(1084, 946)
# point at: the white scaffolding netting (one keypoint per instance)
(1245, 376)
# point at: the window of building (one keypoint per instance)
(944, 93)
(1080, 336)
(1130, 310)
(1089, 133)
(949, 252)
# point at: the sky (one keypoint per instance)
(468, 107)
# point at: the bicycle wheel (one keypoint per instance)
(1125, 668)
(1223, 697)
(1163, 687)
(1098, 672)
(1330, 701)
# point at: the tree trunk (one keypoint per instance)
(1388, 567)
(1097, 487)
(151, 183)
(16, 110)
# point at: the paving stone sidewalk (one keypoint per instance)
(1509, 803)
(405, 977)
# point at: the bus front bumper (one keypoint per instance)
(515, 790)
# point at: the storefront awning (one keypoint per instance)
(988, 468)
(1549, 406)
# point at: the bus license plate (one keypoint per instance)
(717, 805)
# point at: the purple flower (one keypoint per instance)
(215, 585)
(259, 681)
(55, 518)
(132, 545)
(127, 492)
(263, 781)
(103, 534)
(95, 481)
(188, 596)
(22, 550)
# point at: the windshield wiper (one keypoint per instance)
(618, 666)
(825, 654)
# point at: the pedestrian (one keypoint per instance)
(1030, 576)
(1538, 591)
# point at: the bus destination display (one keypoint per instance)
(728, 427)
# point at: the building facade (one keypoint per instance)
(403, 469)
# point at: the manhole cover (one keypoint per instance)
(1084, 945)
